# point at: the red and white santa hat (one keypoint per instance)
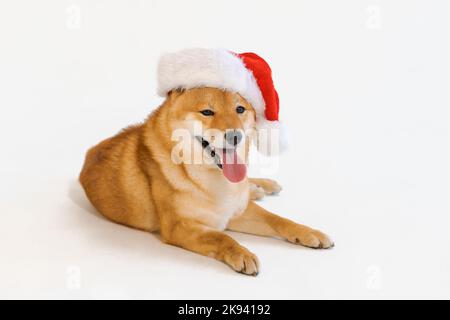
(247, 74)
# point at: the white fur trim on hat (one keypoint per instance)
(272, 137)
(216, 68)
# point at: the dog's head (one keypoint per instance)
(220, 125)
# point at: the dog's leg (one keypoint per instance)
(258, 221)
(198, 238)
(261, 187)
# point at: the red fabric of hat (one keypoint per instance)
(263, 75)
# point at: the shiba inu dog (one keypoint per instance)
(133, 179)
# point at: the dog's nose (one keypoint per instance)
(233, 137)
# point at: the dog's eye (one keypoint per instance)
(207, 112)
(240, 109)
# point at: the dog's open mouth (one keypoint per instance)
(227, 159)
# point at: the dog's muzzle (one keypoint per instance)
(207, 147)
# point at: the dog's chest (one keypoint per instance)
(216, 200)
(228, 204)
(218, 206)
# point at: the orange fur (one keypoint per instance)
(132, 180)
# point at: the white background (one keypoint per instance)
(364, 89)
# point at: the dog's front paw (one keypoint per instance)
(309, 238)
(269, 186)
(242, 261)
(256, 193)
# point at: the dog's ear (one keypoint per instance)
(173, 95)
(175, 92)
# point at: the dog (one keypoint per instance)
(132, 179)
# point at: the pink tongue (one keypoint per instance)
(233, 168)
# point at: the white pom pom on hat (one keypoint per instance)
(246, 73)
